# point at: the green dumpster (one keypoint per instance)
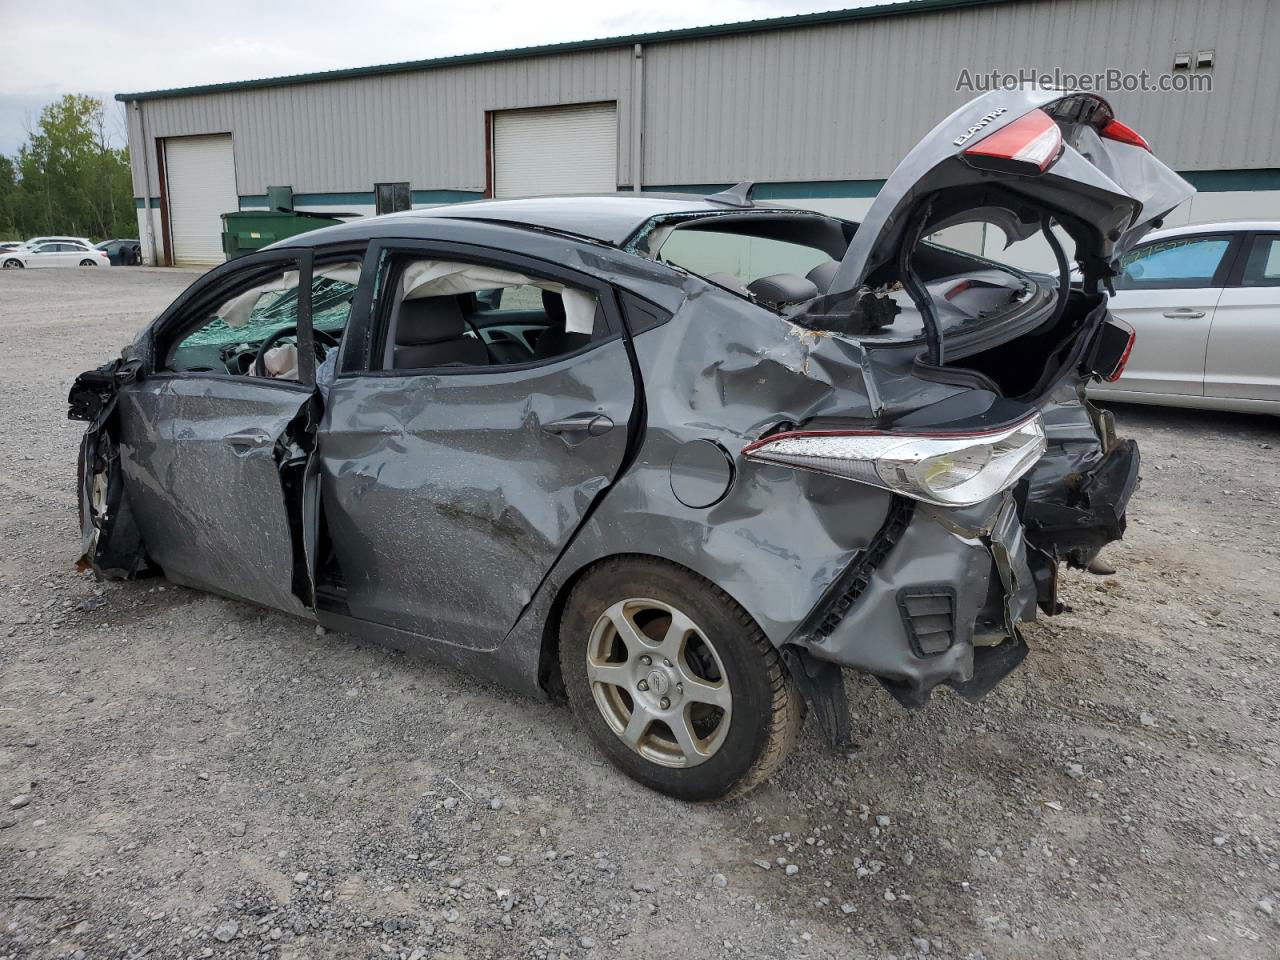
(248, 230)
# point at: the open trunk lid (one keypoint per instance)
(1014, 158)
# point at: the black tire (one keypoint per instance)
(767, 710)
(12, 264)
(86, 262)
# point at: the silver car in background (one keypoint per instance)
(1204, 300)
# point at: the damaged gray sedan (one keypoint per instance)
(681, 460)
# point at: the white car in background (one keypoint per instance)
(55, 252)
(1204, 300)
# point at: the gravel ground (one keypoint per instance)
(193, 777)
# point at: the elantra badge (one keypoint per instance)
(982, 122)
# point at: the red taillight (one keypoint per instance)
(1118, 372)
(1123, 133)
(1029, 144)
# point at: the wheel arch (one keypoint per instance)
(549, 678)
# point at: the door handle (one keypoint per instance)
(253, 439)
(592, 424)
(1184, 313)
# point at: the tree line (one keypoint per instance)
(67, 179)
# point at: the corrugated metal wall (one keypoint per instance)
(426, 128)
(847, 101)
(834, 102)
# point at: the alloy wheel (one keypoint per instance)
(659, 683)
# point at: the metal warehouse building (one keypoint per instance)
(817, 109)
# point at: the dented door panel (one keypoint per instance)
(447, 497)
(214, 515)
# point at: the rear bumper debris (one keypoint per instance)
(941, 605)
(1088, 509)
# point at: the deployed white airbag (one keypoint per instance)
(236, 312)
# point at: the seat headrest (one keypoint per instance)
(429, 320)
(783, 288)
(823, 274)
(553, 306)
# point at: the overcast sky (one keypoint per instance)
(52, 47)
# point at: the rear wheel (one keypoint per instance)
(12, 264)
(675, 681)
(86, 262)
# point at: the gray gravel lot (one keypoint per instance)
(193, 777)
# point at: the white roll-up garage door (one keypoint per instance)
(555, 150)
(200, 184)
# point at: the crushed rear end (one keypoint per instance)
(974, 417)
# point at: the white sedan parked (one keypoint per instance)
(1204, 300)
(63, 252)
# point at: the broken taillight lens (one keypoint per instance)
(1123, 133)
(1112, 345)
(945, 469)
(1118, 371)
(1028, 145)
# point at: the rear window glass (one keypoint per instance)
(747, 258)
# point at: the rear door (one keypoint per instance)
(1243, 359)
(453, 476)
(1168, 291)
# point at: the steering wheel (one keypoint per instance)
(260, 361)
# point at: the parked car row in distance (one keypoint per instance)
(54, 252)
(69, 252)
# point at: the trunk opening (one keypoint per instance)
(1027, 366)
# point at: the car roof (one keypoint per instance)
(611, 218)
(1214, 226)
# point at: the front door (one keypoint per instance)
(48, 255)
(1244, 346)
(1168, 292)
(211, 435)
(456, 469)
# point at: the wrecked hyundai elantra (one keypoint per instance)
(682, 460)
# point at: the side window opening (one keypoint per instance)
(259, 322)
(451, 314)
